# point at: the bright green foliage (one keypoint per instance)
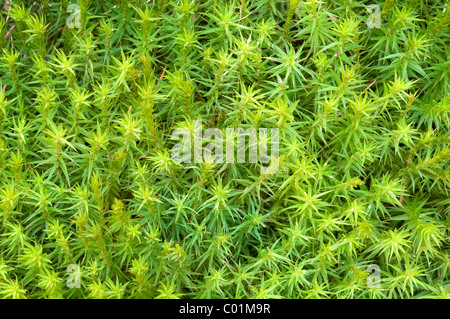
(87, 178)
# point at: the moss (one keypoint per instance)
(354, 204)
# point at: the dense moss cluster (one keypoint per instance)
(92, 204)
